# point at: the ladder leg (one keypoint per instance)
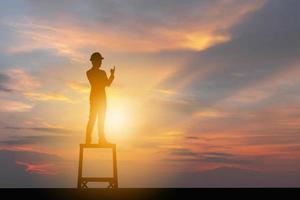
(115, 167)
(80, 167)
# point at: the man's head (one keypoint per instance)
(96, 59)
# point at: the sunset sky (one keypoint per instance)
(206, 92)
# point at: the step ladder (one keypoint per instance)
(82, 182)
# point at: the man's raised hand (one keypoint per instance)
(112, 71)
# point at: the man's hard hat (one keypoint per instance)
(96, 56)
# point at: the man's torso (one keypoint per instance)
(98, 80)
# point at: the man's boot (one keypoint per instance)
(102, 140)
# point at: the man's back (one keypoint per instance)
(98, 81)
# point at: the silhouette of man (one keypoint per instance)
(98, 81)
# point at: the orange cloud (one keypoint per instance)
(43, 169)
(14, 106)
(82, 87)
(23, 148)
(201, 31)
(47, 96)
(20, 80)
(212, 114)
(18, 148)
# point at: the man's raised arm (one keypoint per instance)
(111, 77)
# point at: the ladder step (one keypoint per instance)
(97, 145)
(97, 179)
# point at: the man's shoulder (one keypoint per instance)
(93, 71)
(90, 71)
(102, 71)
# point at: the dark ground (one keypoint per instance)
(134, 193)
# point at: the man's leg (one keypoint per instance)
(101, 122)
(91, 122)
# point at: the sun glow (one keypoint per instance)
(118, 119)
